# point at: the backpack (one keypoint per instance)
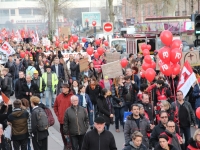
(42, 120)
(50, 117)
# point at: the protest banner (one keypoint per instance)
(111, 57)
(112, 70)
(192, 57)
(83, 64)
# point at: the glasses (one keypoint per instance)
(164, 117)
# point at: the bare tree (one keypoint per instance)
(111, 11)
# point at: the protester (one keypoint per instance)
(39, 138)
(136, 142)
(193, 143)
(62, 103)
(2, 139)
(163, 143)
(6, 85)
(18, 85)
(75, 123)
(5, 111)
(19, 120)
(106, 139)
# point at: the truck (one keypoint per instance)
(149, 33)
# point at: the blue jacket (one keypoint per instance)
(137, 80)
(61, 73)
(196, 96)
(89, 103)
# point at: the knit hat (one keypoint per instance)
(99, 120)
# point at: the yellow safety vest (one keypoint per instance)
(54, 80)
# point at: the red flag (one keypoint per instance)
(5, 98)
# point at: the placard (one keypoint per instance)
(112, 70)
(83, 64)
(192, 57)
(111, 57)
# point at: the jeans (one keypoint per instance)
(107, 127)
(95, 110)
(29, 144)
(187, 134)
(90, 116)
(73, 78)
(49, 92)
(15, 83)
(20, 144)
(77, 141)
(128, 106)
(119, 115)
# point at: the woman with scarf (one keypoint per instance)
(118, 93)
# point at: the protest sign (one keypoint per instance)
(192, 57)
(83, 64)
(112, 70)
(110, 57)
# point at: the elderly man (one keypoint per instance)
(106, 139)
(75, 123)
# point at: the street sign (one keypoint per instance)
(89, 17)
(108, 27)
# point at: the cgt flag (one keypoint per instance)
(187, 79)
(7, 49)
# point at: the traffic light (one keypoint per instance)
(197, 24)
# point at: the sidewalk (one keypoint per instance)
(55, 140)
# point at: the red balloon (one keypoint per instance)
(147, 59)
(84, 40)
(142, 74)
(100, 50)
(175, 55)
(97, 42)
(146, 52)
(149, 47)
(150, 74)
(90, 50)
(65, 46)
(124, 62)
(153, 65)
(144, 46)
(166, 69)
(96, 55)
(166, 37)
(145, 66)
(198, 112)
(75, 38)
(22, 54)
(106, 43)
(57, 43)
(176, 68)
(176, 44)
(164, 54)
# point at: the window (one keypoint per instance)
(184, 13)
(25, 11)
(176, 13)
(12, 12)
(4, 12)
(37, 12)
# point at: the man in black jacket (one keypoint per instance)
(106, 139)
(74, 67)
(160, 128)
(6, 86)
(18, 85)
(185, 115)
(39, 138)
(131, 96)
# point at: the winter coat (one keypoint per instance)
(130, 127)
(171, 147)
(196, 95)
(40, 135)
(131, 146)
(104, 110)
(6, 85)
(19, 119)
(92, 73)
(76, 121)
(190, 111)
(18, 86)
(133, 91)
(34, 89)
(117, 98)
(157, 130)
(62, 103)
(30, 70)
(4, 116)
(93, 94)
(192, 145)
(102, 141)
(75, 71)
(88, 101)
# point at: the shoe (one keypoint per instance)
(117, 130)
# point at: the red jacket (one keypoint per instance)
(102, 85)
(61, 104)
(97, 65)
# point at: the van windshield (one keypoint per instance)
(119, 45)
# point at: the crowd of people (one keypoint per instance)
(87, 103)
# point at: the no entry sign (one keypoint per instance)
(108, 27)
